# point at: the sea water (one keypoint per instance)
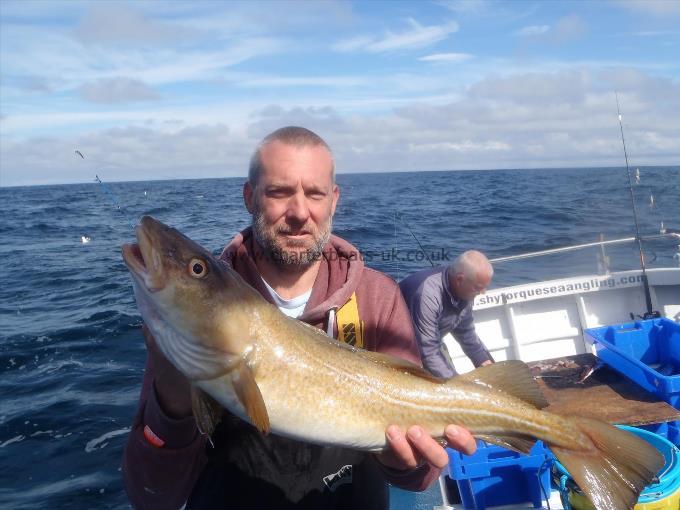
(71, 350)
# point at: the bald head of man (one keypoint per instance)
(470, 274)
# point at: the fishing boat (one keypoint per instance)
(560, 320)
(548, 320)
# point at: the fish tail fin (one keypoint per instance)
(613, 473)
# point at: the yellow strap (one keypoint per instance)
(350, 327)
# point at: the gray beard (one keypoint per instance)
(290, 261)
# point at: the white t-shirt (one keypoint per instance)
(291, 307)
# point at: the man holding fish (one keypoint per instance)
(291, 259)
(265, 388)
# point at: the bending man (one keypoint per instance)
(440, 300)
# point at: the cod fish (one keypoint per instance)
(288, 378)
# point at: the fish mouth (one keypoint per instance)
(143, 261)
(134, 260)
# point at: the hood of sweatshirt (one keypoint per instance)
(338, 277)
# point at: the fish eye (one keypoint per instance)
(198, 268)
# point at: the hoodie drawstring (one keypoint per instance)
(331, 323)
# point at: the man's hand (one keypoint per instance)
(416, 447)
(172, 388)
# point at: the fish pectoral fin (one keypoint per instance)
(250, 397)
(207, 411)
(512, 377)
(520, 444)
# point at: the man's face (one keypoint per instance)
(469, 288)
(293, 203)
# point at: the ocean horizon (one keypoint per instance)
(104, 176)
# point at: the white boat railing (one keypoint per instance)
(673, 235)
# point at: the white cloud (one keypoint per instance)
(491, 10)
(565, 119)
(117, 90)
(655, 33)
(462, 147)
(118, 23)
(378, 105)
(39, 10)
(128, 153)
(303, 81)
(18, 125)
(569, 28)
(565, 29)
(352, 44)
(447, 57)
(31, 83)
(466, 6)
(533, 30)
(418, 36)
(652, 7)
(67, 65)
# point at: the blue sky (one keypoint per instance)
(155, 90)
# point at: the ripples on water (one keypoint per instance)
(71, 352)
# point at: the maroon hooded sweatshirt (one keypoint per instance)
(247, 470)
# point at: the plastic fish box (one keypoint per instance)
(647, 352)
(670, 430)
(495, 476)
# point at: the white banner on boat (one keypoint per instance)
(554, 288)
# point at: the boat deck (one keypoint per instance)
(605, 395)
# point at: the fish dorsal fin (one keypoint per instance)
(207, 411)
(512, 377)
(521, 444)
(248, 393)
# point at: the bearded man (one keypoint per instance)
(290, 256)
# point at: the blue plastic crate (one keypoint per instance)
(670, 430)
(495, 476)
(647, 352)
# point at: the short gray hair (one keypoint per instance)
(470, 263)
(290, 135)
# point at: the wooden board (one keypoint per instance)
(606, 394)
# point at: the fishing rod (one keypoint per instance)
(419, 245)
(112, 198)
(649, 314)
